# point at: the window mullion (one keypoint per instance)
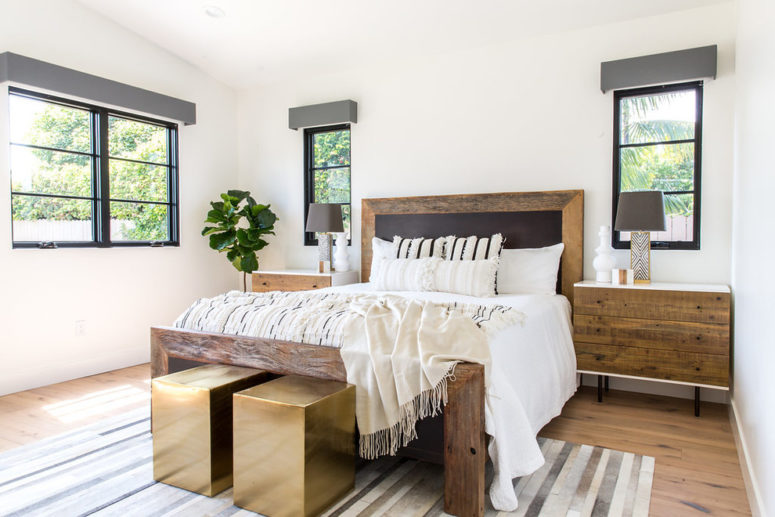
(104, 180)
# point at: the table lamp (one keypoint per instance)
(641, 213)
(325, 219)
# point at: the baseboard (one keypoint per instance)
(749, 477)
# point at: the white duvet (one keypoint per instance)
(533, 375)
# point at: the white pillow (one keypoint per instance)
(405, 274)
(380, 250)
(529, 270)
(471, 277)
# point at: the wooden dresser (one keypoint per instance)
(668, 332)
(300, 280)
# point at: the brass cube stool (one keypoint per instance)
(191, 415)
(294, 448)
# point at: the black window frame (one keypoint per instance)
(100, 197)
(697, 87)
(309, 174)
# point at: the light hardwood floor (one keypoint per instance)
(697, 470)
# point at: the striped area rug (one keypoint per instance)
(106, 469)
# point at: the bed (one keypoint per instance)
(527, 220)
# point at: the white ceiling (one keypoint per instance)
(263, 41)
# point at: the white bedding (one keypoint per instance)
(533, 375)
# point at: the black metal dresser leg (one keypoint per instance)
(606, 383)
(600, 388)
(696, 401)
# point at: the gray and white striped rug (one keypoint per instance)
(106, 469)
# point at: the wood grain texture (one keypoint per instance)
(569, 202)
(685, 336)
(281, 357)
(465, 451)
(699, 368)
(658, 305)
(265, 282)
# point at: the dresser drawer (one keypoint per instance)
(263, 282)
(686, 336)
(704, 307)
(670, 365)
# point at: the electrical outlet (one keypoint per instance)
(80, 327)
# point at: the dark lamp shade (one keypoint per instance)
(641, 212)
(325, 217)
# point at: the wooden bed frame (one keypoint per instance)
(527, 219)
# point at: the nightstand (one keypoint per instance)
(300, 280)
(668, 332)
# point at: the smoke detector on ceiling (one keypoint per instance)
(214, 11)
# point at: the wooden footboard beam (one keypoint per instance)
(465, 452)
(281, 357)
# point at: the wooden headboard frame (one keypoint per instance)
(569, 202)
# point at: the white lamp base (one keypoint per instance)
(640, 256)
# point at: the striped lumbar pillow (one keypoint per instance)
(470, 277)
(474, 248)
(420, 247)
(405, 275)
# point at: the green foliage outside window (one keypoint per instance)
(70, 174)
(666, 167)
(331, 177)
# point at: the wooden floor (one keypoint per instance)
(697, 471)
(28, 416)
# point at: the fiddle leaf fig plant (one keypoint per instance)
(240, 223)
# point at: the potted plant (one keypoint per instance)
(240, 223)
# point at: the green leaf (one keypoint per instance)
(249, 262)
(266, 218)
(219, 241)
(209, 229)
(239, 195)
(232, 254)
(214, 216)
(217, 205)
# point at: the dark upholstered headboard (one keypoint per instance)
(526, 220)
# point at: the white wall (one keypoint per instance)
(753, 247)
(120, 293)
(526, 115)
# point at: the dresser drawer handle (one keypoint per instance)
(264, 283)
(698, 307)
(314, 286)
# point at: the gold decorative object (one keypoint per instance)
(191, 416)
(294, 448)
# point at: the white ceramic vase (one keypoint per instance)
(341, 258)
(604, 260)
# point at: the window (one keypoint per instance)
(657, 146)
(327, 171)
(83, 175)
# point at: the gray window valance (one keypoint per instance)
(323, 114)
(33, 72)
(669, 67)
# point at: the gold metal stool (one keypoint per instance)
(191, 415)
(294, 448)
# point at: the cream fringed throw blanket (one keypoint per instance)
(398, 352)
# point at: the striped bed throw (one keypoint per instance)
(302, 317)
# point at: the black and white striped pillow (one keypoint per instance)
(474, 248)
(419, 247)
